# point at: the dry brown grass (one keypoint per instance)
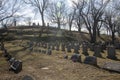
(53, 67)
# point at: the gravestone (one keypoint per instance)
(63, 47)
(85, 49)
(49, 46)
(45, 45)
(69, 48)
(76, 58)
(65, 56)
(111, 53)
(115, 67)
(92, 60)
(117, 45)
(53, 47)
(49, 52)
(57, 47)
(15, 65)
(97, 51)
(92, 47)
(76, 49)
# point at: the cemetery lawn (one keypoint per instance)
(52, 67)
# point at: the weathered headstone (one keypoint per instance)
(76, 58)
(49, 46)
(65, 56)
(92, 60)
(57, 47)
(92, 47)
(85, 49)
(49, 52)
(97, 51)
(69, 48)
(53, 47)
(111, 52)
(76, 49)
(63, 47)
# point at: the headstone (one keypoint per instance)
(115, 67)
(76, 58)
(97, 51)
(45, 45)
(76, 49)
(53, 47)
(49, 46)
(69, 48)
(16, 66)
(65, 56)
(92, 60)
(111, 52)
(85, 49)
(92, 47)
(49, 52)
(63, 47)
(57, 47)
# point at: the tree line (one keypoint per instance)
(93, 15)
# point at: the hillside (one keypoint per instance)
(39, 66)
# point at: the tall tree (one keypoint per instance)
(70, 17)
(91, 12)
(57, 13)
(40, 6)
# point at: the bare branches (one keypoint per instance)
(57, 13)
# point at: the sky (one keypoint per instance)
(28, 12)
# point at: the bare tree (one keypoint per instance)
(40, 6)
(57, 13)
(70, 17)
(112, 20)
(91, 12)
(7, 11)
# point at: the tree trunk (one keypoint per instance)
(70, 27)
(43, 25)
(94, 33)
(113, 37)
(98, 32)
(58, 25)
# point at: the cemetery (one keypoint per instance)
(42, 51)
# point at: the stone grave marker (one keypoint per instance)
(49, 52)
(97, 51)
(76, 58)
(111, 53)
(92, 47)
(76, 49)
(85, 49)
(57, 47)
(92, 60)
(69, 48)
(63, 47)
